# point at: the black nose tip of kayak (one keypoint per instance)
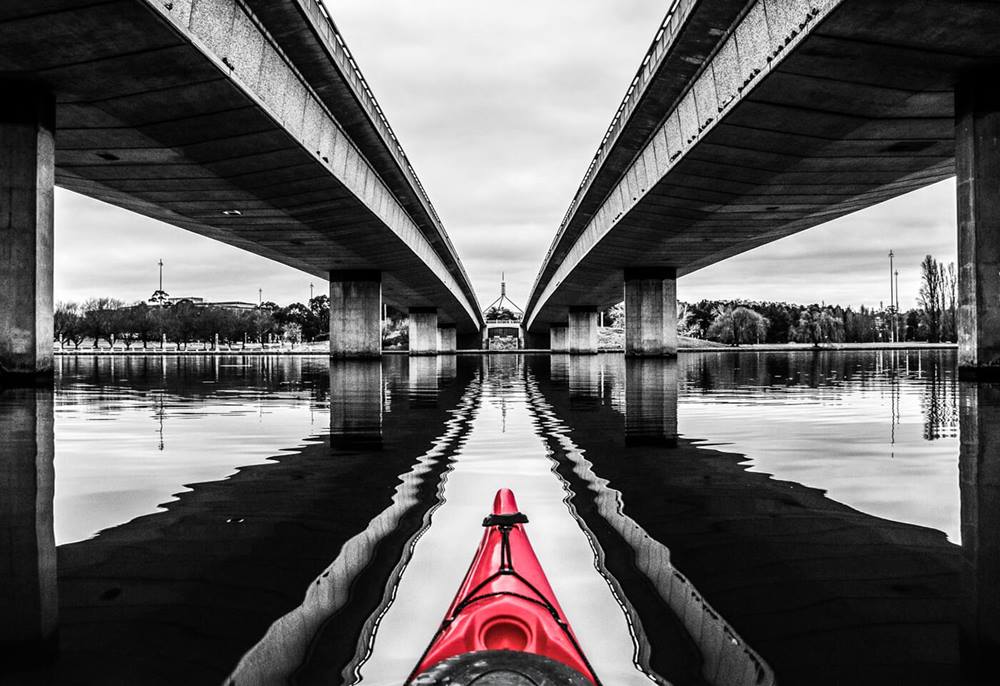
(500, 668)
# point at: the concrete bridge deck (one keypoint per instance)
(750, 121)
(248, 122)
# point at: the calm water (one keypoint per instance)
(727, 518)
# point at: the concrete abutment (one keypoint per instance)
(27, 178)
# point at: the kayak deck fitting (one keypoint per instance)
(505, 625)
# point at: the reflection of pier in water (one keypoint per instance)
(679, 637)
(28, 594)
(328, 636)
(825, 593)
(203, 579)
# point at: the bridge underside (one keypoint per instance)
(162, 111)
(860, 110)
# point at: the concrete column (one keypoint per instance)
(583, 330)
(355, 402)
(651, 401)
(979, 486)
(977, 167)
(27, 177)
(355, 314)
(28, 591)
(559, 338)
(447, 338)
(423, 331)
(650, 312)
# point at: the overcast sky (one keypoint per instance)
(500, 107)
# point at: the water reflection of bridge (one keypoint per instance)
(823, 592)
(187, 581)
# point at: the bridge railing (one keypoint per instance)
(349, 67)
(651, 60)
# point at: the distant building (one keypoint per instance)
(232, 305)
(503, 323)
(235, 305)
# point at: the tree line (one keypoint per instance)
(736, 322)
(185, 322)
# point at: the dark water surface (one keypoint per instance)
(724, 519)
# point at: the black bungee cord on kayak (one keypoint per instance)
(505, 524)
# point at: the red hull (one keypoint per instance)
(505, 601)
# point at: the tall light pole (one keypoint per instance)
(896, 273)
(260, 296)
(310, 292)
(892, 296)
(161, 273)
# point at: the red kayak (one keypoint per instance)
(505, 617)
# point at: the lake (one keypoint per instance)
(734, 518)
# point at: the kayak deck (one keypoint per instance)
(505, 603)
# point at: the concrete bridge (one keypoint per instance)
(750, 121)
(246, 121)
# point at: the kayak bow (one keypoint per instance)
(505, 604)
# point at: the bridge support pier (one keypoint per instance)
(27, 178)
(559, 338)
(355, 314)
(650, 312)
(447, 338)
(583, 330)
(423, 331)
(977, 167)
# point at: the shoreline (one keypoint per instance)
(716, 348)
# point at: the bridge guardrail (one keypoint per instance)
(657, 49)
(349, 67)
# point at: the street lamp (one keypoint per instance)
(892, 299)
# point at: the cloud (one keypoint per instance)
(844, 261)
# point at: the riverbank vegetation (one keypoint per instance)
(730, 322)
(109, 322)
(736, 322)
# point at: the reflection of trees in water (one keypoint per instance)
(889, 372)
(172, 386)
